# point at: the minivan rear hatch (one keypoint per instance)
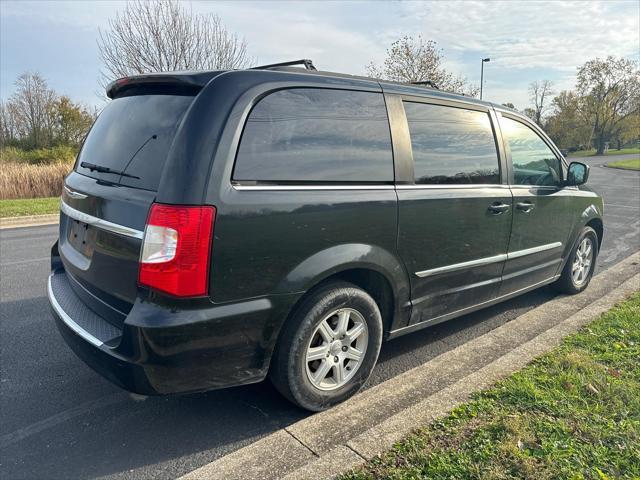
(107, 197)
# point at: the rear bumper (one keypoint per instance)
(164, 350)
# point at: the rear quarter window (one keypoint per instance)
(133, 134)
(316, 135)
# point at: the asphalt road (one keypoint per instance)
(61, 420)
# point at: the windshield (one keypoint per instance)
(133, 135)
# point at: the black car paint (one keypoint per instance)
(272, 245)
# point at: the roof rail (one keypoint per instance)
(428, 83)
(308, 64)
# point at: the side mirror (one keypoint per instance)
(578, 174)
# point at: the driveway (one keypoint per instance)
(61, 420)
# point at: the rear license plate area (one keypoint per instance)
(81, 236)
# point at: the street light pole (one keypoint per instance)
(482, 74)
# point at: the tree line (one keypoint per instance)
(164, 35)
(602, 110)
(35, 116)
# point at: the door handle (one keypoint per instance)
(497, 208)
(526, 207)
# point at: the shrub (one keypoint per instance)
(22, 180)
(39, 156)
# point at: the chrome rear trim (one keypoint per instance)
(74, 194)
(68, 320)
(100, 223)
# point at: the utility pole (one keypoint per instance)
(482, 74)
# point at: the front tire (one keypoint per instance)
(328, 348)
(579, 268)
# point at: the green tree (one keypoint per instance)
(609, 90)
(566, 125)
(72, 122)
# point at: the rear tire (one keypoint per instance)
(328, 348)
(580, 265)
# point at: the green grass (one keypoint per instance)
(572, 414)
(631, 164)
(29, 206)
(611, 151)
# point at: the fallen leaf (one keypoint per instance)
(614, 373)
(593, 389)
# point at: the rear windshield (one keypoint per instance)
(133, 135)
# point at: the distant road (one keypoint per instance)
(61, 420)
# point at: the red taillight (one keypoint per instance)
(176, 249)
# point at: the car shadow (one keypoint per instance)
(133, 436)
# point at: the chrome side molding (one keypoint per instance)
(100, 223)
(309, 187)
(530, 251)
(459, 266)
(488, 260)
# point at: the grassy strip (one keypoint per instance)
(631, 164)
(573, 413)
(591, 153)
(29, 206)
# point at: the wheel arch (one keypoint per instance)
(598, 226)
(372, 268)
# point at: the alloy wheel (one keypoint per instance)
(582, 261)
(336, 349)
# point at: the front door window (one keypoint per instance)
(534, 163)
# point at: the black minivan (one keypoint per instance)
(221, 227)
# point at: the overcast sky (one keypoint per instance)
(526, 40)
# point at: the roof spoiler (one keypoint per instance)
(155, 82)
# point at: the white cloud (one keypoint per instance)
(558, 35)
(281, 31)
(526, 40)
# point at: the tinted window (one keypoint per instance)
(534, 163)
(451, 145)
(126, 126)
(316, 135)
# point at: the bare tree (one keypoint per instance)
(540, 95)
(31, 104)
(610, 94)
(8, 124)
(161, 35)
(411, 59)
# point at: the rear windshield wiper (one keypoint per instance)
(98, 168)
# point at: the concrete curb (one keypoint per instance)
(29, 221)
(332, 442)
